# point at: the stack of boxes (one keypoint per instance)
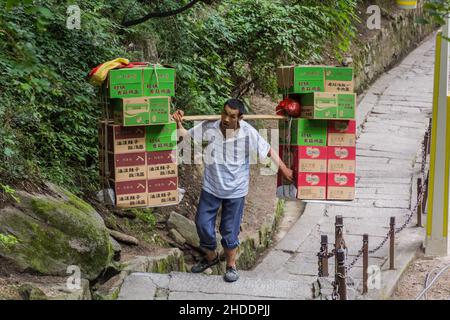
(138, 141)
(321, 142)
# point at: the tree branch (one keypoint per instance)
(151, 15)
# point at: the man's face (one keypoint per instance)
(230, 118)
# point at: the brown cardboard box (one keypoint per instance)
(121, 139)
(163, 198)
(129, 166)
(131, 194)
(162, 164)
(162, 192)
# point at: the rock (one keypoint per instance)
(137, 264)
(160, 218)
(64, 293)
(185, 227)
(110, 289)
(177, 237)
(116, 248)
(122, 237)
(30, 292)
(54, 232)
(125, 213)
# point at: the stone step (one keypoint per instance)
(189, 286)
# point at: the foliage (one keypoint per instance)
(49, 113)
(10, 192)
(436, 10)
(147, 216)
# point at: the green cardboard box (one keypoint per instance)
(161, 137)
(347, 106)
(328, 105)
(339, 79)
(301, 79)
(141, 82)
(140, 111)
(304, 132)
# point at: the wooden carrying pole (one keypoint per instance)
(246, 117)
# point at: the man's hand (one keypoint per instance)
(178, 117)
(287, 173)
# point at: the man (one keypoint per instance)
(225, 180)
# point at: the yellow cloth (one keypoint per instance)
(101, 73)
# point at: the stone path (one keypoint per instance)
(392, 118)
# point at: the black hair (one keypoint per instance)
(235, 104)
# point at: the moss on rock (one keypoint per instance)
(53, 234)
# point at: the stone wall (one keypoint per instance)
(376, 51)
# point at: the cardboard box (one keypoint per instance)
(304, 132)
(140, 111)
(342, 133)
(341, 159)
(312, 186)
(341, 186)
(141, 82)
(124, 167)
(305, 158)
(327, 105)
(130, 194)
(163, 198)
(339, 79)
(120, 139)
(300, 79)
(161, 137)
(162, 164)
(312, 159)
(162, 191)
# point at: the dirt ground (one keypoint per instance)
(413, 280)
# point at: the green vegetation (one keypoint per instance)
(7, 241)
(49, 112)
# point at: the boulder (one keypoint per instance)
(53, 232)
(177, 237)
(185, 227)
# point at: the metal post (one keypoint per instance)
(324, 257)
(338, 233)
(429, 136)
(419, 202)
(340, 276)
(365, 262)
(392, 243)
(425, 195)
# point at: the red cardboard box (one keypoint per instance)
(311, 159)
(162, 164)
(341, 186)
(341, 159)
(131, 193)
(306, 158)
(341, 133)
(311, 185)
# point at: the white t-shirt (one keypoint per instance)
(227, 161)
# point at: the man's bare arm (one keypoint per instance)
(182, 132)
(287, 173)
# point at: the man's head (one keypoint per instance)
(233, 111)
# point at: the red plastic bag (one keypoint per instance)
(289, 107)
